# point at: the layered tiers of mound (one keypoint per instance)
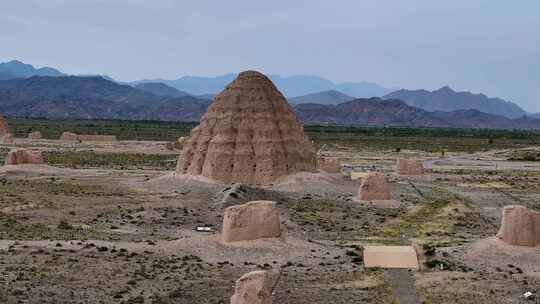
(250, 134)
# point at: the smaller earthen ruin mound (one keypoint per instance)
(21, 156)
(68, 136)
(410, 167)
(328, 164)
(7, 139)
(520, 226)
(253, 288)
(4, 129)
(35, 135)
(374, 187)
(251, 221)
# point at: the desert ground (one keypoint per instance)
(110, 222)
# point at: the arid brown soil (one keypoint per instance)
(101, 233)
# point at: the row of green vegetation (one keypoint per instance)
(375, 138)
(121, 161)
(123, 129)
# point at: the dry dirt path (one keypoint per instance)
(402, 284)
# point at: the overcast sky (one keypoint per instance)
(483, 46)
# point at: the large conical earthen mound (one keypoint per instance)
(249, 134)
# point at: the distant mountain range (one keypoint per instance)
(92, 98)
(331, 97)
(290, 86)
(17, 69)
(29, 91)
(160, 89)
(446, 99)
(99, 98)
(392, 112)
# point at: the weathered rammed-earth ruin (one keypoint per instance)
(21, 156)
(328, 164)
(35, 135)
(67, 136)
(4, 128)
(253, 288)
(251, 221)
(5, 136)
(7, 139)
(410, 167)
(520, 226)
(374, 187)
(250, 134)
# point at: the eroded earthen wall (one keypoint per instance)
(20, 157)
(253, 288)
(35, 135)
(520, 226)
(6, 139)
(4, 128)
(251, 221)
(330, 165)
(410, 167)
(69, 136)
(374, 187)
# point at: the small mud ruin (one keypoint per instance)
(251, 221)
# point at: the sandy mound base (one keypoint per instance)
(495, 253)
(320, 183)
(311, 177)
(172, 181)
(29, 170)
(207, 247)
